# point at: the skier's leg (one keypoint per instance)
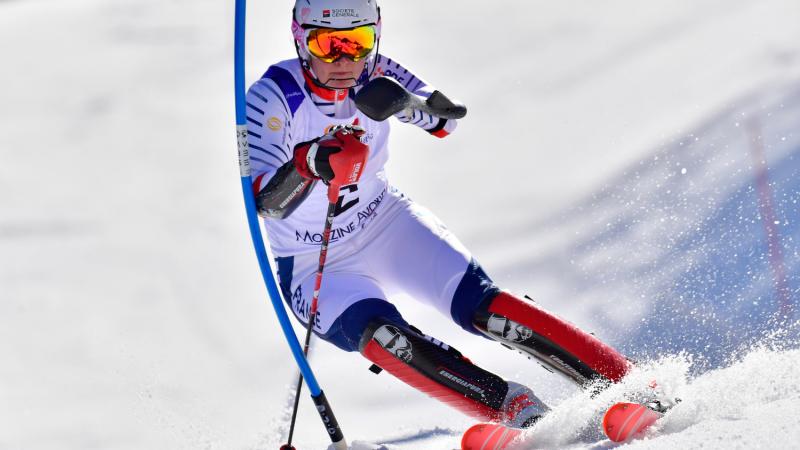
(444, 374)
(481, 307)
(348, 301)
(354, 315)
(434, 267)
(523, 325)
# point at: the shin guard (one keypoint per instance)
(555, 343)
(443, 373)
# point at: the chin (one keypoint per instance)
(341, 84)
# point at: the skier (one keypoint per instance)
(305, 132)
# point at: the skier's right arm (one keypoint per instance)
(282, 181)
(337, 158)
(277, 185)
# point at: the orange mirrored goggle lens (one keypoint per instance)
(329, 44)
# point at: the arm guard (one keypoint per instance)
(283, 193)
(436, 126)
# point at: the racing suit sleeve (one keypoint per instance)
(277, 185)
(437, 126)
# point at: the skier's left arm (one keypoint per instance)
(437, 126)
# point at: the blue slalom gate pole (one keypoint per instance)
(324, 409)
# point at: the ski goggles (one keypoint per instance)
(330, 44)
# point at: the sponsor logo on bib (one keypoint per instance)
(274, 124)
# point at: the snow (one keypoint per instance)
(755, 417)
(609, 167)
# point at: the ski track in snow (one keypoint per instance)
(608, 167)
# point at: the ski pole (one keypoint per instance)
(333, 194)
(321, 402)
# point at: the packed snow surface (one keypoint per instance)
(633, 166)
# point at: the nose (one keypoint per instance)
(344, 61)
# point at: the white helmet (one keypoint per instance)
(340, 14)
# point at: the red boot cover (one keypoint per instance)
(559, 343)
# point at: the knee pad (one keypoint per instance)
(560, 346)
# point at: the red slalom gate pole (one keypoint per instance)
(765, 205)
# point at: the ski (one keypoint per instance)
(621, 422)
(489, 436)
(625, 420)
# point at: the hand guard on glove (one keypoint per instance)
(338, 158)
